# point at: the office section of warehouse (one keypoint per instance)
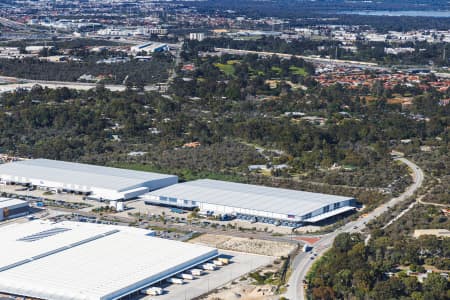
(266, 204)
(97, 182)
(13, 208)
(72, 260)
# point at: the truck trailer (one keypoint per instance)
(175, 280)
(195, 272)
(186, 276)
(152, 291)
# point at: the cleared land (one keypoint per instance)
(244, 291)
(255, 246)
(227, 69)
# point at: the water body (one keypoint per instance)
(409, 13)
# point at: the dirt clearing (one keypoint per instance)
(255, 246)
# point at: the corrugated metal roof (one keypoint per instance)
(268, 199)
(4, 199)
(11, 202)
(89, 261)
(79, 174)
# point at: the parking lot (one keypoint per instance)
(159, 213)
(37, 193)
(139, 210)
(241, 264)
(139, 207)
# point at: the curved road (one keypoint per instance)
(303, 261)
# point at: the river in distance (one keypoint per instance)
(409, 13)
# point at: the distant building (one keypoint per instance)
(113, 60)
(10, 52)
(257, 167)
(54, 58)
(37, 49)
(397, 51)
(137, 153)
(150, 47)
(267, 167)
(375, 37)
(188, 67)
(294, 114)
(154, 130)
(192, 145)
(157, 30)
(444, 102)
(87, 77)
(135, 31)
(304, 32)
(197, 36)
(243, 33)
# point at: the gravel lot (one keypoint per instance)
(254, 246)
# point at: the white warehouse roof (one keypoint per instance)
(80, 174)
(149, 46)
(71, 260)
(247, 196)
(5, 202)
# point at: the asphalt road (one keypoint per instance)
(303, 261)
(12, 83)
(314, 59)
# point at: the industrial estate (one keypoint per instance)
(58, 253)
(211, 197)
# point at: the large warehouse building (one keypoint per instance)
(252, 202)
(71, 260)
(13, 208)
(150, 47)
(102, 183)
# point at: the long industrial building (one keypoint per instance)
(252, 202)
(13, 208)
(84, 261)
(97, 182)
(150, 47)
